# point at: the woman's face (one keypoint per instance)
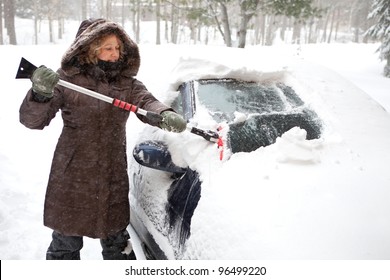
(110, 49)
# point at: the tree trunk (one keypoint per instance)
(158, 22)
(270, 30)
(109, 10)
(387, 68)
(227, 35)
(60, 27)
(244, 19)
(331, 24)
(324, 35)
(258, 27)
(262, 29)
(311, 37)
(217, 21)
(199, 36)
(356, 35)
(133, 16)
(51, 33)
(35, 23)
(136, 19)
(174, 24)
(102, 8)
(283, 28)
(138, 23)
(243, 30)
(123, 13)
(194, 24)
(337, 24)
(1, 22)
(296, 37)
(166, 24)
(9, 20)
(83, 9)
(365, 12)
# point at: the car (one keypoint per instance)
(270, 178)
(272, 109)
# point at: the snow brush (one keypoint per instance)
(26, 69)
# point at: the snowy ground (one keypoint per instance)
(25, 155)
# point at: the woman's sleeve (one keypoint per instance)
(36, 113)
(143, 99)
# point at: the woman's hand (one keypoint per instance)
(44, 80)
(173, 122)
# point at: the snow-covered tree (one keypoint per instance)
(381, 30)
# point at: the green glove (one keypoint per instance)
(44, 80)
(172, 122)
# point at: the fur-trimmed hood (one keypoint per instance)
(93, 29)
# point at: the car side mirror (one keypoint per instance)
(155, 154)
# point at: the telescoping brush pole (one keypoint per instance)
(116, 102)
(26, 69)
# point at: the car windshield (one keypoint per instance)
(269, 110)
(225, 97)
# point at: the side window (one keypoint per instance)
(185, 102)
(177, 104)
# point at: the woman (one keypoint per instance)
(87, 192)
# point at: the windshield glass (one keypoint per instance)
(269, 110)
(224, 97)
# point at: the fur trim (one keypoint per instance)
(92, 30)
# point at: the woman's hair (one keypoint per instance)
(94, 49)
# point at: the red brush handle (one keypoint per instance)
(124, 105)
(154, 117)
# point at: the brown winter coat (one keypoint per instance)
(87, 192)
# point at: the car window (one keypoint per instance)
(228, 96)
(177, 105)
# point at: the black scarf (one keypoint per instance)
(111, 70)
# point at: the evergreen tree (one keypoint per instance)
(381, 30)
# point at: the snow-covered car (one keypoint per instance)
(298, 171)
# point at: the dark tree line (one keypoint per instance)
(237, 22)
